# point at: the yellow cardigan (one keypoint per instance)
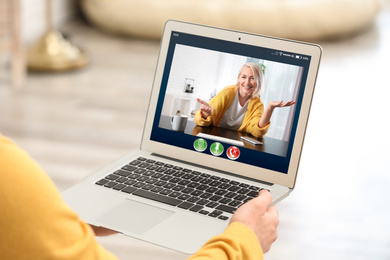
(222, 101)
(36, 223)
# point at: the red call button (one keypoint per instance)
(233, 153)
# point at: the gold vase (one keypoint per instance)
(53, 52)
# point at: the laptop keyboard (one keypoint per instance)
(180, 187)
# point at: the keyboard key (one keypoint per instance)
(240, 197)
(226, 208)
(203, 212)
(253, 194)
(212, 190)
(134, 176)
(215, 198)
(235, 203)
(169, 185)
(148, 187)
(193, 199)
(223, 217)
(202, 202)
(243, 191)
(184, 197)
(112, 177)
(234, 182)
(206, 195)
(196, 208)
(193, 185)
(202, 187)
(157, 197)
(187, 190)
(102, 182)
(225, 201)
(215, 213)
(152, 167)
(234, 188)
(212, 204)
(130, 182)
(140, 170)
(110, 184)
(151, 181)
(231, 195)
(121, 179)
(184, 182)
(174, 194)
(129, 168)
(160, 183)
(178, 188)
(129, 189)
(157, 189)
(221, 192)
(119, 186)
(159, 163)
(165, 191)
(185, 205)
(139, 184)
(123, 173)
(197, 193)
(134, 163)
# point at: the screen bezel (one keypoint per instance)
(286, 179)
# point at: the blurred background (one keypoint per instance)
(81, 104)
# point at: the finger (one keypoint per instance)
(201, 101)
(264, 198)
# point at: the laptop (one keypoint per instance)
(184, 183)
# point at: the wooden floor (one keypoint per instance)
(75, 123)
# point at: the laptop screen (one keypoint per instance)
(199, 67)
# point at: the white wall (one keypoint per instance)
(211, 70)
(34, 17)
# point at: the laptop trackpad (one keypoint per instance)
(133, 217)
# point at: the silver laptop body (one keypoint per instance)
(197, 61)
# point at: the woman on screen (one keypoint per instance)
(238, 107)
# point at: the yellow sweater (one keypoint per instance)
(222, 101)
(36, 223)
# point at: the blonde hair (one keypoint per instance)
(258, 75)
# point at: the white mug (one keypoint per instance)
(179, 122)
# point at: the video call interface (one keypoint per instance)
(198, 68)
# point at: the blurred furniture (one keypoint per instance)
(10, 40)
(298, 19)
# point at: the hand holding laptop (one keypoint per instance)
(260, 217)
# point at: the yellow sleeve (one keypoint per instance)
(35, 222)
(252, 117)
(236, 243)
